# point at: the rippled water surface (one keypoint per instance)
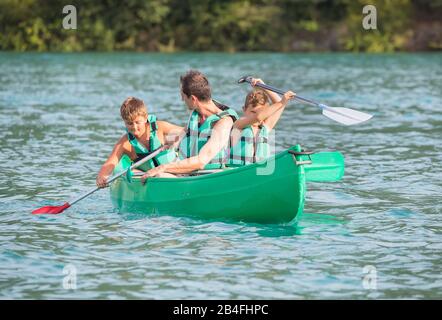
(375, 234)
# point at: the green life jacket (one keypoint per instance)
(197, 136)
(249, 149)
(163, 157)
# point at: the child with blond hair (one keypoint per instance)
(250, 133)
(144, 134)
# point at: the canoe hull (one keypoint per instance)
(271, 191)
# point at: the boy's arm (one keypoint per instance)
(172, 133)
(267, 115)
(111, 162)
(218, 140)
(246, 121)
(278, 105)
(271, 120)
(272, 95)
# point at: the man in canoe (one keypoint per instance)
(144, 133)
(250, 133)
(205, 141)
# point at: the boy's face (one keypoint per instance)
(137, 126)
(251, 110)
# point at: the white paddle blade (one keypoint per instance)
(345, 116)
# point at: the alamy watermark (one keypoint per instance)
(369, 22)
(70, 21)
(70, 280)
(370, 279)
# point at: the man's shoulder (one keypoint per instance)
(228, 112)
(224, 121)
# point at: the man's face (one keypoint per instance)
(137, 126)
(187, 100)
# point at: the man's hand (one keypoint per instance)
(152, 173)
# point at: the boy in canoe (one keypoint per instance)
(250, 133)
(205, 141)
(144, 133)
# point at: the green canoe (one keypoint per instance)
(270, 191)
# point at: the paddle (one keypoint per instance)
(59, 209)
(342, 115)
(325, 167)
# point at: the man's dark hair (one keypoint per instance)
(195, 83)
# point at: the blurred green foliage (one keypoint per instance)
(230, 25)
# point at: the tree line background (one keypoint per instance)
(230, 25)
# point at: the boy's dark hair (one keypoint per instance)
(195, 83)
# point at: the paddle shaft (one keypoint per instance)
(135, 165)
(308, 101)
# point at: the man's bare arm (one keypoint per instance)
(218, 140)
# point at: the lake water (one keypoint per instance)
(377, 234)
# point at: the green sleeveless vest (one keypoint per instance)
(163, 157)
(248, 149)
(198, 135)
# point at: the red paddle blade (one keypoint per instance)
(51, 209)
